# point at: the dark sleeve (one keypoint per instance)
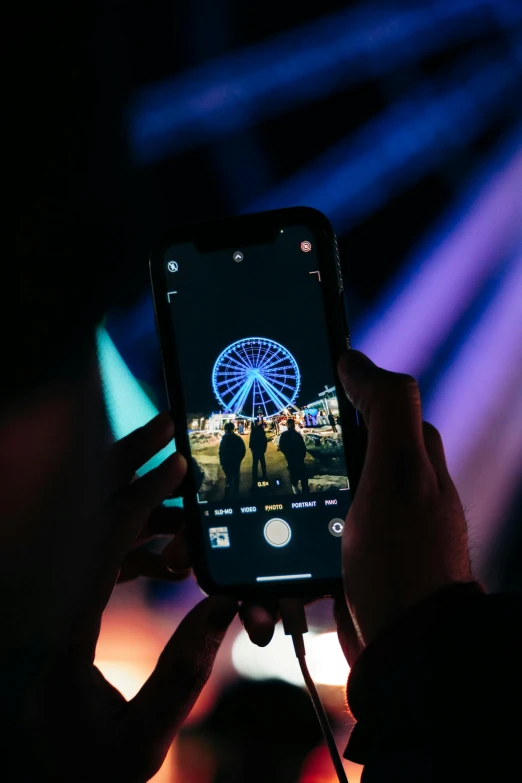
(242, 448)
(437, 695)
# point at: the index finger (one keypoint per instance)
(130, 453)
(389, 402)
(161, 706)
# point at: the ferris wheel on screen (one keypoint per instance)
(256, 375)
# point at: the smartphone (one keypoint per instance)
(252, 318)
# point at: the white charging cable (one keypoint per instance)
(295, 625)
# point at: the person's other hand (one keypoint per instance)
(405, 535)
(77, 724)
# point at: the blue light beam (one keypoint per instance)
(127, 405)
(300, 66)
(363, 172)
(418, 311)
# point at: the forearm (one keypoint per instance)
(436, 695)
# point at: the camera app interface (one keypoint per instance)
(262, 409)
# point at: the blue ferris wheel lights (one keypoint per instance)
(256, 374)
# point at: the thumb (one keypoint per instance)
(389, 403)
(158, 710)
(346, 631)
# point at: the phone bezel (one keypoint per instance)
(223, 233)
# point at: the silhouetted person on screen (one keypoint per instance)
(257, 445)
(292, 444)
(331, 419)
(231, 453)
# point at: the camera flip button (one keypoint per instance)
(336, 527)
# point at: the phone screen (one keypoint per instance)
(262, 409)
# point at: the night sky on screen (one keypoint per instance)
(270, 294)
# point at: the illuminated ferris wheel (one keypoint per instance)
(254, 376)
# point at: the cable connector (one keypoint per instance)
(295, 625)
(293, 616)
(294, 622)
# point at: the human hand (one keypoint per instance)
(405, 535)
(75, 719)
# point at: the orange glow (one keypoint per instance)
(325, 659)
(133, 636)
(195, 761)
(318, 768)
(126, 677)
(131, 640)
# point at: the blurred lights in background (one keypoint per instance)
(128, 406)
(451, 314)
(125, 676)
(421, 307)
(299, 67)
(361, 173)
(429, 317)
(324, 656)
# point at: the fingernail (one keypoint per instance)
(221, 612)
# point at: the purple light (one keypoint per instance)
(477, 407)
(477, 402)
(488, 363)
(489, 473)
(398, 146)
(416, 316)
